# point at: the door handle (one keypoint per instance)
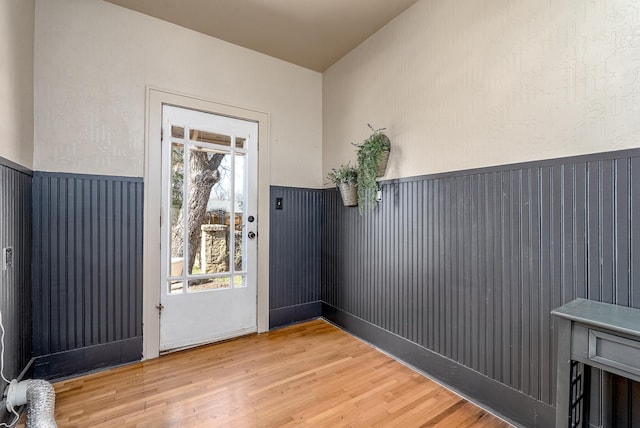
(251, 235)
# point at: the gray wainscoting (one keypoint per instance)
(294, 255)
(87, 272)
(15, 281)
(469, 264)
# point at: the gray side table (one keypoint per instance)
(592, 334)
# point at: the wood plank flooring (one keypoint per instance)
(310, 374)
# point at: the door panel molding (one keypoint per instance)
(155, 98)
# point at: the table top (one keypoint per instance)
(602, 315)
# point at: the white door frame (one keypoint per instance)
(151, 279)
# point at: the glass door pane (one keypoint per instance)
(239, 219)
(207, 239)
(176, 261)
(209, 207)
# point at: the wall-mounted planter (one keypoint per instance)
(349, 193)
(345, 177)
(384, 159)
(373, 156)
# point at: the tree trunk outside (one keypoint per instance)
(204, 175)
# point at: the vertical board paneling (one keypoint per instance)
(634, 230)
(294, 253)
(622, 232)
(87, 261)
(15, 281)
(470, 264)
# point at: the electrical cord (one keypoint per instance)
(2, 352)
(17, 415)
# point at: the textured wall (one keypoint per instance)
(87, 261)
(463, 84)
(294, 248)
(15, 282)
(16, 80)
(469, 264)
(93, 61)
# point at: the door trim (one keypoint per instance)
(151, 280)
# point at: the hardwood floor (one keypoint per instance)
(310, 374)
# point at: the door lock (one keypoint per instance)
(251, 235)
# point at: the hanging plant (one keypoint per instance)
(345, 177)
(373, 154)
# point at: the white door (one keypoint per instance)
(209, 224)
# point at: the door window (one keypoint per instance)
(206, 210)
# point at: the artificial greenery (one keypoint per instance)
(369, 154)
(345, 173)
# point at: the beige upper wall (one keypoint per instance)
(93, 61)
(16, 80)
(462, 84)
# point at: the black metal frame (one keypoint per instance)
(579, 395)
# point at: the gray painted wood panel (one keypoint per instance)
(469, 264)
(15, 281)
(294, 254)
(87, 254)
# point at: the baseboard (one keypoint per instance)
(500, 399)
(28, 370)
(292, 314)
(84, 360)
